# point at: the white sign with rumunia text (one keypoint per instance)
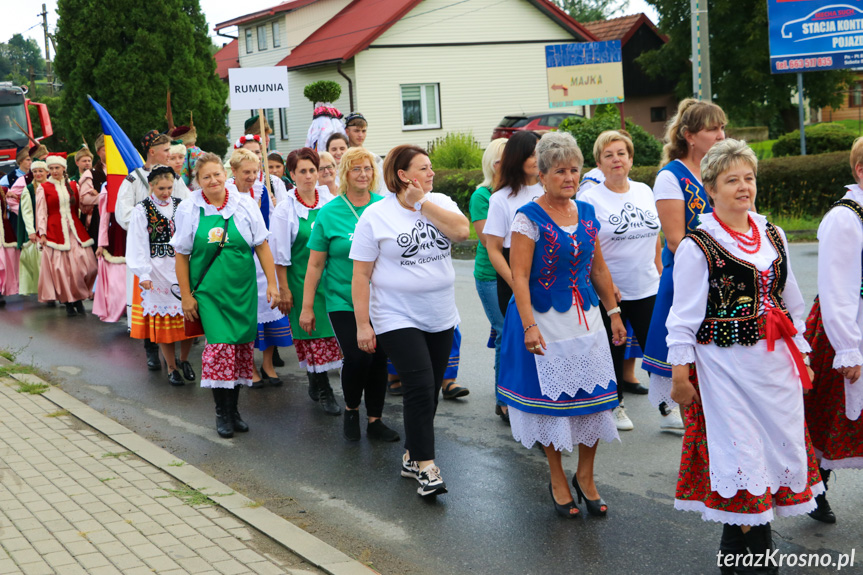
(255, 88)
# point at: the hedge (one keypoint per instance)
(820, 139)
(789, 186)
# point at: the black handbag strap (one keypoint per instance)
(215, 255)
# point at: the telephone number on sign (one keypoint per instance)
(804, 63)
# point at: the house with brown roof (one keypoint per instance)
(416, 69)
(650, 102)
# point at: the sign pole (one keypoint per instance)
(622, 120)
(696, 56)
(800, 113)
(264, 152)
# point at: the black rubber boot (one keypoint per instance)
(224, 423)
(314, 392)
(823, 512)
(79, 307)
(327, 398)
(732, 543)
(277, 359)
(152, 351)
(759, 542)
(240, 426)
(70, 310)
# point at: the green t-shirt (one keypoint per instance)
(482, 268)
(333, 234)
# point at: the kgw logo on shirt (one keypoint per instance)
(422, 237)
(633, 218)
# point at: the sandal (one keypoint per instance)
(564, 510)
(454, 391)
(394, 387)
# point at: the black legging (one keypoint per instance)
(420, 359)
(638, 312)
(361, 372)
(504, 292)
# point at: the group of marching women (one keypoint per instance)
(562, 277)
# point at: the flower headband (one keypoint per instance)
(245, 140)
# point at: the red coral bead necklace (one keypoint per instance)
(747, 244)
(224, 203)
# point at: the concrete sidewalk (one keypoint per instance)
(80, 493)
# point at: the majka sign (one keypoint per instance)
(257, 88)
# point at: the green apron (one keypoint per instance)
(296, 279)
(228, 296)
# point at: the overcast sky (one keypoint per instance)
(22, 16)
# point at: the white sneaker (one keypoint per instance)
(622, 420)
(672, 420)
(431, 483)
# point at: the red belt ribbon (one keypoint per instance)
(778, 325)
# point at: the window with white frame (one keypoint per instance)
(262, 37)
(277, 37)
(250, 46)
(283, 123)
(420, 106)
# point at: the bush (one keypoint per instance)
(322, 91)
(790, 186)
(820, 139)
(458, 185)
(648, 149)
(456, 151)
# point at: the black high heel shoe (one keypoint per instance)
(594, 506)
(563, 510)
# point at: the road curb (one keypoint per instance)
(310, 548)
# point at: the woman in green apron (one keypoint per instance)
(292, 224)
(216, 233)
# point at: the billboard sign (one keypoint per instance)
(584, 74)
(811, 35)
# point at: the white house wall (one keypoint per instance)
(479, 84)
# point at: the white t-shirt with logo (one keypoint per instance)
(628, 230)
(502, 207)
(413, 280)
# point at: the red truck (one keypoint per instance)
(15, 107)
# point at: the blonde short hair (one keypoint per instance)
(491, 155)
(326, 157)
(856, 156)
(722, 156)
(241, 155)
(607, 138)
(349, 160)
(692, 116)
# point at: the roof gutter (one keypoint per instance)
(219, 33)
(350, 83)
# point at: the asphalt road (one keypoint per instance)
(497, 518)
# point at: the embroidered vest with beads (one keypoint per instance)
(857, 209)
(737, 292)
(160, 228)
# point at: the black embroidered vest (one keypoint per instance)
(160, 229)
(735, 294)
(857, 209)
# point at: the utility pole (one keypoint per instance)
(48, 73)
(701, 88)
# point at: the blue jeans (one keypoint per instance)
(487, 291)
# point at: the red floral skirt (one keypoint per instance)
(227, 364)
(836, 439)
(693, 482)
(319, 355)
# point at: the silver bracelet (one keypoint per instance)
(613, 311)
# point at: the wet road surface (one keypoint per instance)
(497, 518)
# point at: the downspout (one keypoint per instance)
(350, 84)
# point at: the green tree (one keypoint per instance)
(128, 63)
(22, 53)
(586, 130)
(590, 10)
(740, 64)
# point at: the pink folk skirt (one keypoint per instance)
(67, 276)
(9, 262)
(109, 303)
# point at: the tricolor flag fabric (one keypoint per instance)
(120, 154)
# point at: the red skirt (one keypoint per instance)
(319, 355)
(693, 491)
(837, 440)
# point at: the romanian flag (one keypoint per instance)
(120, 154)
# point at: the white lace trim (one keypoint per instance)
(321, 368)
(525, 226)
(580, 363)
(846, 463)
(659, 391)
(562, 432)
(682, 354)
(853, 399)
(801, 343)
(850, 358)
(220, 383)
(755, 480)
(750, 519)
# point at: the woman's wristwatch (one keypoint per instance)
(419, 205)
